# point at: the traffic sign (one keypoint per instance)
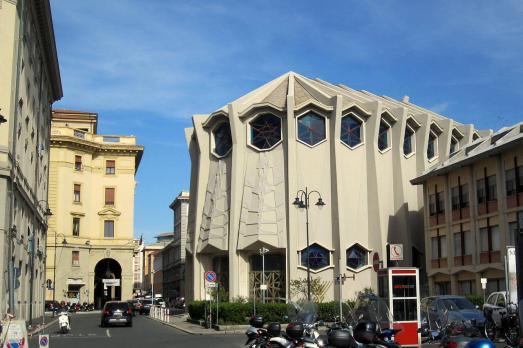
(376, 261)
(43, 341)
(396, 252)
(263, 287)
(212, 285)
(210, 276)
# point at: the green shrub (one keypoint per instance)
(476, 300)
(196, 310)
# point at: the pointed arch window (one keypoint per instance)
(432, 145)
(408, 141)
(317, 256)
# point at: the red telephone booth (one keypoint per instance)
(399, 286)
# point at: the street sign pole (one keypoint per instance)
(217, 301)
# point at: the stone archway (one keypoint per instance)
(108, 269)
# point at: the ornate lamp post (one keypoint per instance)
(302, 201)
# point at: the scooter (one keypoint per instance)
(63, 322)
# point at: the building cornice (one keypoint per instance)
(61, 141)
(41, 11)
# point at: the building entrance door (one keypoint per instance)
(107, 282)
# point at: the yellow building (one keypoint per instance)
(91, 195)
(472, 204)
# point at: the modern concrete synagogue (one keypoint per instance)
(358, 150)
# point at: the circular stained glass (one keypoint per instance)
(357, 257)
(265, 131)
(350, 130)
(222, 139)
(311, 128)
(318, 257)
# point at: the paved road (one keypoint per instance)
(86, 332)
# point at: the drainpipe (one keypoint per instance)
(12, 154)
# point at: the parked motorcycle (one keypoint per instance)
(302, 331)
(509, 329)
(257, 335)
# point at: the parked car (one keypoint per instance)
(495, 303)
(146, 306)
(117, 312)
(437, 310)
(136, 305)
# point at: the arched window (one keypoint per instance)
(384, 136)
(265, 131)
(351, 130)
(222, 139)
(318, 257)
(311, 128)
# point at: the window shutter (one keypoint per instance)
(109, 196)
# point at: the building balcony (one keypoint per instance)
(439, 263)
(512, 200)
(95, 138)
(463, 260)
(490, 256)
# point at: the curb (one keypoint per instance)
(40, 328)
(186, 330)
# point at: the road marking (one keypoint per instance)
(108, 333)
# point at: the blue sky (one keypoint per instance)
(147, 66)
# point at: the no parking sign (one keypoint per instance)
(43, 341)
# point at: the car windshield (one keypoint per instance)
(458, 303)
(146, 302)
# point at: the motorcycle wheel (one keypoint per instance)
(512, 336)
(490, 329)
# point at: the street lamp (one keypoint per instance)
(302, 200)
(2, 118)
(64, 242)
(262, 252)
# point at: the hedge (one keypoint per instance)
(239, 313)
(476, 300)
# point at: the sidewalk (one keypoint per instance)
(180, 322)
(37, 324)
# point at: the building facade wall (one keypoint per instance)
(30, 83)
(79, 157)
(456, 263)
(242, 200)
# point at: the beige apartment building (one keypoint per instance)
(251, 159)
(90, 242)
(29, 84)
(472, 202)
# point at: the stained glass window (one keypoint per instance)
(265, 131)
(311, 128)
(383, 136)
(222, 139)
(357, 257)
(350, 130)
(408, 141)
(318, 257)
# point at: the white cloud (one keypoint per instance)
(440, 108)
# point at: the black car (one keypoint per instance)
(146, 305)
(117, 313)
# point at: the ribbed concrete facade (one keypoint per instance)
(358, 150)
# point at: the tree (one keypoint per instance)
(319, 288)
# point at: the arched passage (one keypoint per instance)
(108, 269)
